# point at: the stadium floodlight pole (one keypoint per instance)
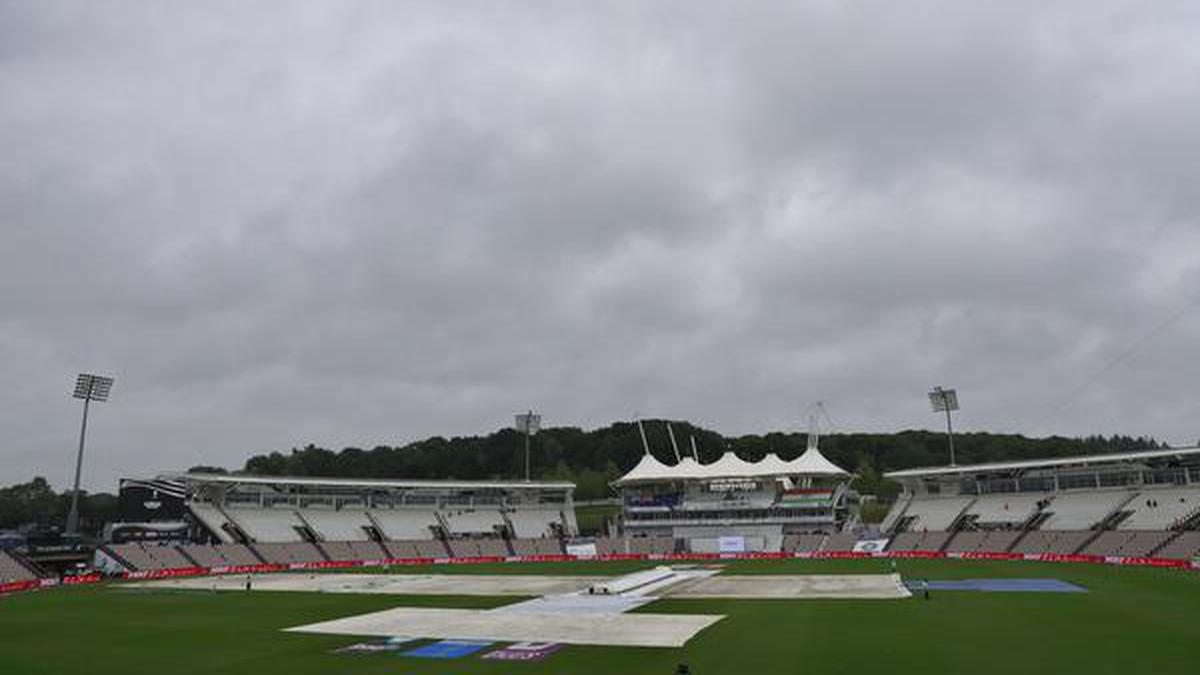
(89, 388)
(529, 423)
(946, 400)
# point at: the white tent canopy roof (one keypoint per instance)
(650, 470)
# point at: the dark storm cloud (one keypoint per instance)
(366, 222)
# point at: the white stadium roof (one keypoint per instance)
(729, 465)
(364, 483)
(1057, 462)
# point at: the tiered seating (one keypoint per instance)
(660, 544)
(610, 545)
(1005, 509)
(1161, 509)
(1126, 544)
(168, 556)
(472, 548)
(464, 548)
(1082, 510)
(473, 521)
(935, 514)
(421, 548)
(802, 543)
(343, 525)
(1059, 543)
(367, 550)
(338, 550)
(919, 541)
(11, 569)
(1185, 547)
(236, 554)
(136, 556)
(285, 553)
(543, 546)
(212, 518)
(840, 541)
(204, 555)
(268, 525)
(534, 523)
(979, 542)
(400, 549)
(405, 524)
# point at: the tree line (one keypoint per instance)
(593, 459)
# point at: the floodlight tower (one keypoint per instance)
(529, 424)
(89, 388)
(945, 400)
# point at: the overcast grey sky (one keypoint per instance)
(360, 223)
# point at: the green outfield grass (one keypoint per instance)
(1132, 620)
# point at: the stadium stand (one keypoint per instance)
(1083, 510)
(1004, 510)
(534, 523)
(919, 541)
(542, 546)
(997, 541)
(290, 552)
(404, 524)
(204, 556)
(237, 554)
(1056, 542)
(802, 543)
(1160, 509)
(651, 544)
(1186, 546)
(470, 521)
(840, 541)
(213, 520)
(1126, 543)
(934, 514)
(269, 524)
(13, 569)
(1130, 504)
(338, 525)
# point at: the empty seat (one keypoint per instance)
(135, 556)
(1082, 510)
(1041, 542)
(204, 555)
(1185, 547)
(401, 549)
(1128, 544)
(237, 554)
(211, 518)
(286, 553)
(935, 514)
(983, 542)
(840, 542)
(919, 541)
(1005, 509)
(344, 525)
(267, 525)
(12, 569)
(472, 521)
(1161, 509)
(403, 524)
(338, 550)
(533, 523)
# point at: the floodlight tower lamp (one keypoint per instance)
(946, 400)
